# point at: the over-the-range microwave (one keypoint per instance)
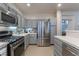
(5, 18)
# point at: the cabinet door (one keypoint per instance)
(26, 41)
(3, 6)
(57, 47)
(69, 50)
(33, 39)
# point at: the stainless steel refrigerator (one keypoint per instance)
(43, 33)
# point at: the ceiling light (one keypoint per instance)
(8, 12)
(28, 4)
(59, 5)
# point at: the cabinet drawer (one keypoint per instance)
(58, 47)
(58, 53)
(58, 42)
(55, 53)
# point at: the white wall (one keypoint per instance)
(59, 22)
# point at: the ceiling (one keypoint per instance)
(38, 8)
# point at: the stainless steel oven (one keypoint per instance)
(15, 45)
(16, 48)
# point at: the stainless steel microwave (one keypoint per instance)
(5, 18)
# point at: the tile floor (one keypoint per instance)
(34, 50)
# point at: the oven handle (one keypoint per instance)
(16, 45)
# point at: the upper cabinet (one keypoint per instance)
(30, 23)
(3, 7)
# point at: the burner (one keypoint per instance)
(10, 39)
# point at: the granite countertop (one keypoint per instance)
(23, 34)
(69, 40)
(77, 31)
(3, 44)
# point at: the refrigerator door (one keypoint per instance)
(43, 34)
(40, 33)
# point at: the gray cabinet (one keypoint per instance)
(26, 40)
(30, 23)
(3, 6)
(57, 47)
(32, 38)
(69, 50)
(64, 49)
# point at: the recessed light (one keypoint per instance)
(8, 12)
(59, 5)
(28, 4)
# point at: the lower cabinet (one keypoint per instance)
(26, 41)
(64, 49)
(57, 47)
(69, 50)
(32, 38)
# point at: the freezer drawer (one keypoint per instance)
(44, 42)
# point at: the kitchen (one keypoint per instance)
(26, 29)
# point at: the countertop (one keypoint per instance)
(77, 31)
(23, 34)
(69, 40)
(3, 44)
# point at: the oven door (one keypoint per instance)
(17, 48)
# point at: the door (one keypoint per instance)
(40, 33)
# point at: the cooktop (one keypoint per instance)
(10, 39)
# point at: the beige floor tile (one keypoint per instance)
(34, 50)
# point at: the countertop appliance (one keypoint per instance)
(43, 34)
(16, 43)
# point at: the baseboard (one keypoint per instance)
(51, 44)
(32, 44)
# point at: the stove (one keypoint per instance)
(15, 45)
(10, 39)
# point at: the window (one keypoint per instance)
(65, 24)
